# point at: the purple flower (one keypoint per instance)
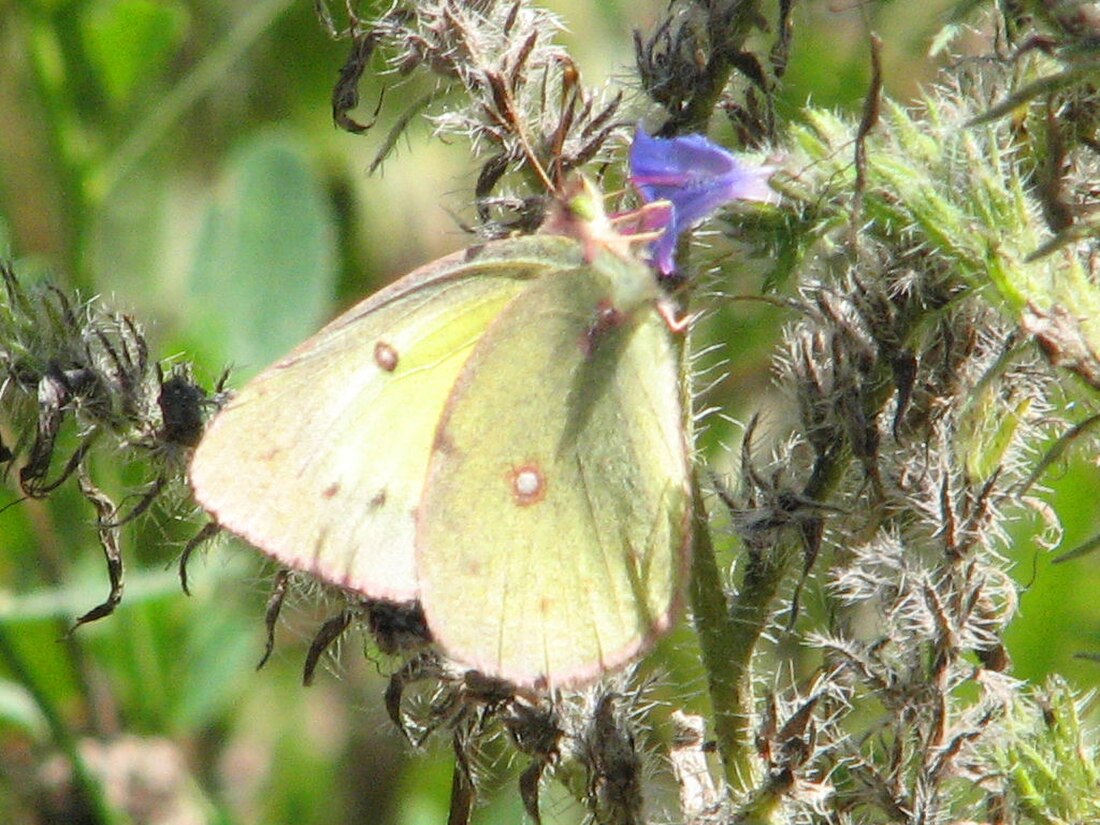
(696, 177)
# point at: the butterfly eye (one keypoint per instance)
(608, 316)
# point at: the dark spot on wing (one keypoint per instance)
(385, 356)
(271, 454)
(331, 490)
(378, 500)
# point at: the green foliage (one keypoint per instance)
(130, 40)
(272, 228)
(1050, 760)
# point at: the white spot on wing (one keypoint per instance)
(528, 484)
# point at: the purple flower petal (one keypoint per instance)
(697, 177)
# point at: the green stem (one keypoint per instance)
(730, 687)
(88, 787)
(49, 81)
(728, 635)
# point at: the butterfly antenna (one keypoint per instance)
(633, 224)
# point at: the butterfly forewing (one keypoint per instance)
(553, 529)
(320, 460)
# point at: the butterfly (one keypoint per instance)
(501, 435)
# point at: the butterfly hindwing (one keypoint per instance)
(320, 460)
(553, 528)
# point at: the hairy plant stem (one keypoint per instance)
(730, 629)
(728, 633)
(727, 29)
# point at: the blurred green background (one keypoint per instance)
(178, 160)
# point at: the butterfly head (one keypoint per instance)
(577, 212)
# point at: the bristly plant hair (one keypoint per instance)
(498, 80)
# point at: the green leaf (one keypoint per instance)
(264, 271)
(128, 41)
